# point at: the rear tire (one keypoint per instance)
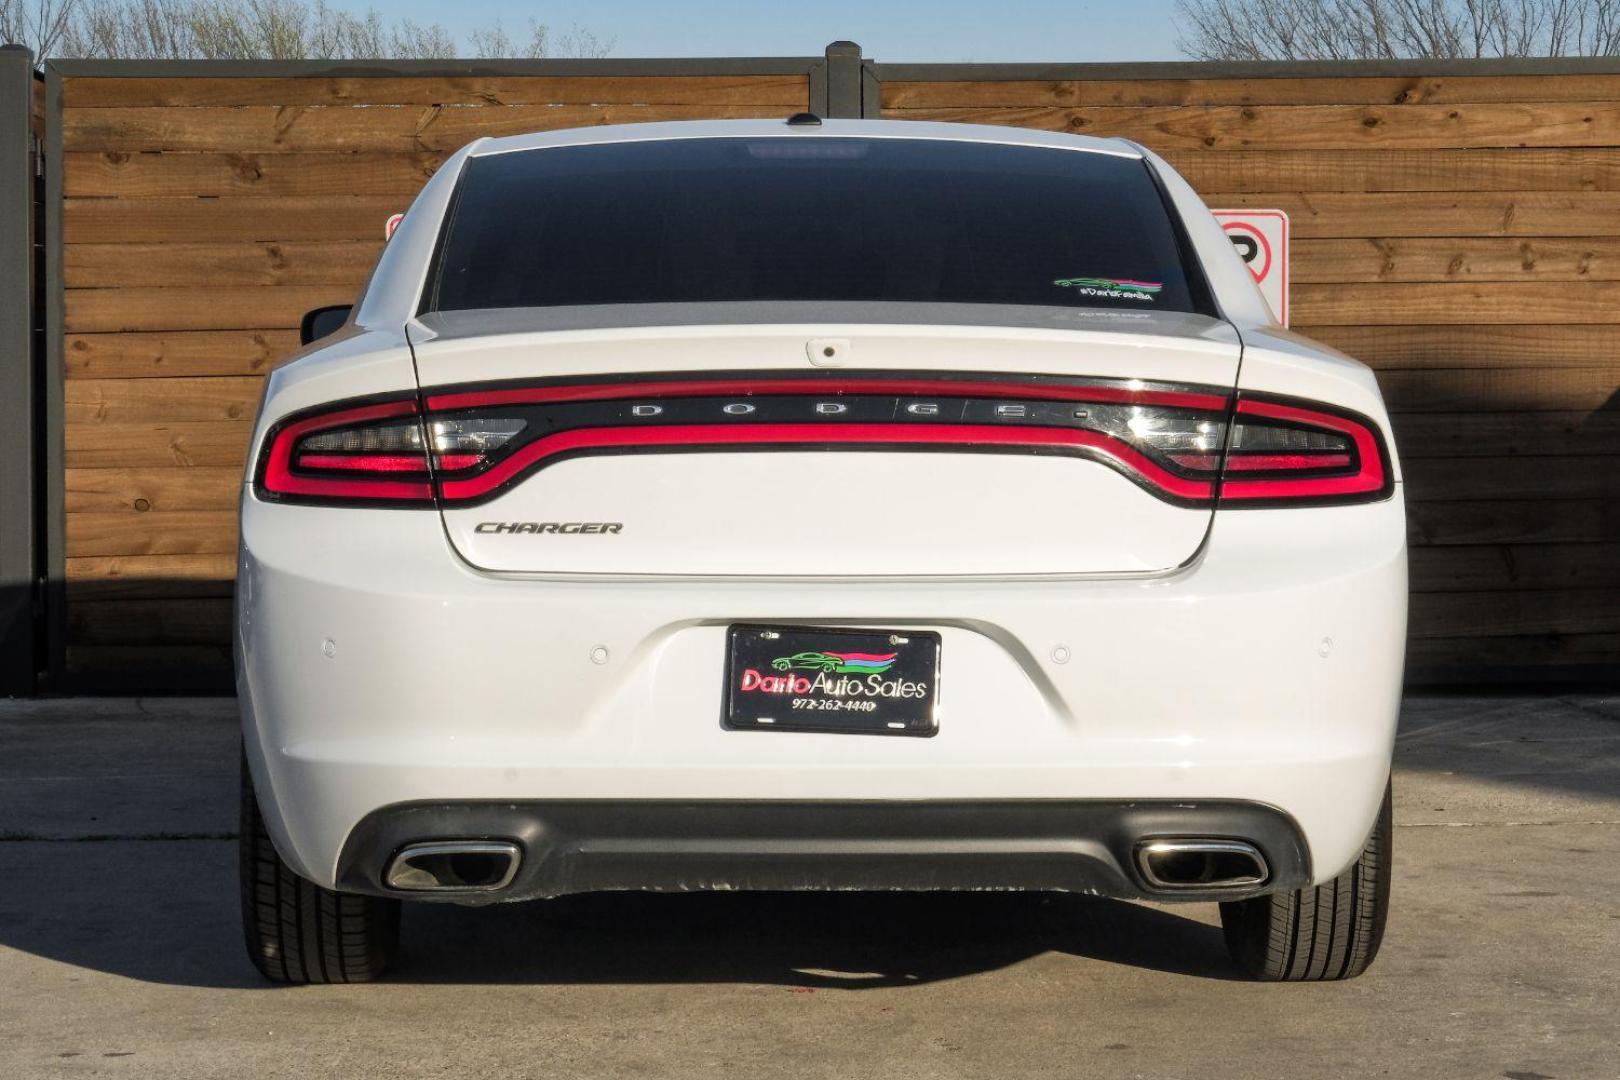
(298, 932)
(1318, 934)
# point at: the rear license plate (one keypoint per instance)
(859, 682)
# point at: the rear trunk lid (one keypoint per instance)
(754, 440)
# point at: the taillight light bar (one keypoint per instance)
(1188, 445)
(1342, 457)
(959, 437)
(288, 470)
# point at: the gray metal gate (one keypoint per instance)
(19, 329)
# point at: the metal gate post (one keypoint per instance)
(19, 499)
(844, 71)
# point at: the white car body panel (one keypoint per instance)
(1111, 647)
(1268, 670)
(735, 515)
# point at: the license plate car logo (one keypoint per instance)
(871, 682)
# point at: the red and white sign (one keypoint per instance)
(391, 224)
(1261, 237)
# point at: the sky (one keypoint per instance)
(889, 30)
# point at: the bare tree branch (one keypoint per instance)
(1396, 29)
(256, 30)
(39, 25)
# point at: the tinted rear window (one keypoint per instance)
(721, 219)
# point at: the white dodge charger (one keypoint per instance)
(816, 505)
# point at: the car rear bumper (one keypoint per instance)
(378, 671)
(1082, 846)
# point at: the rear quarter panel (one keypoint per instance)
(1279, 361)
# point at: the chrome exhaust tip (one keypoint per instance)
(463, 866)
(1201, 865)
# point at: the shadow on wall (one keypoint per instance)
(1514, 515)
(18, 656)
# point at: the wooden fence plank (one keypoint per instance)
(1465, 303)
(182, 353)
(223, 308)
(152, 489)
(124, 221)
(1502, 389)
(1547, 652)
(134, 401)
(1289, 127)
(149, 622)
(782, 91)
(182, 532)
(1357, 215)
(1501, 434)
(1489, 568)
(1507, 479)
(164, 669)
(1322, 215)
(1529, 521)
(389, 128)
(91, 446)
(1430, 259)
(1446, 347)
(1202, 93)
(138, 569)
(207, 264)
(185, 577)
(122, 174)
(1493, 614)
(1384, 170)
(222, 172)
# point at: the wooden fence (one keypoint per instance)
(202, 214)
(1456, 226)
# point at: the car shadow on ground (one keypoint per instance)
(144, 905)
(813, 940)
(166, 912)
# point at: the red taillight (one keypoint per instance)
(1013, 438)
(1284, 452)
(389, 463)
(358, 454)
(1192, 446)
(374, 454)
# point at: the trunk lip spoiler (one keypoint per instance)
(810, 383)
(813, 318)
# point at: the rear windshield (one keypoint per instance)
(785, 218)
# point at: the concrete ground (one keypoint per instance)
(120, 952)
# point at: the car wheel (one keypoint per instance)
(298, 932)
(1318, 934)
